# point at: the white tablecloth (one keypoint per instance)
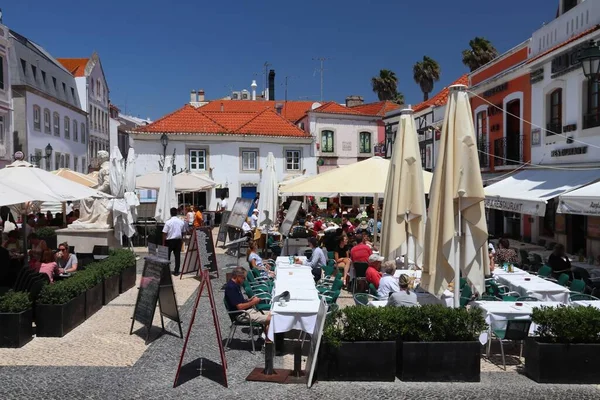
(499, 271)
(377, 303)
(586, 303)
(534, 286)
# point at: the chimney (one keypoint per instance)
(253, 86)
(222, 107)
(272, 84)
(200, 95)
(193, 96)
(354, 100)
(278, 108)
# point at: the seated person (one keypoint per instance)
(374, 271)
(38, 247)
(47, 265)
(362, 251)
(404, 297)
(274, 245)
(246, 227)
(559, 262)
(256, 261)
(66, 261)
(235, 301)
(387, 284)
(347, 226)
(13, 244)
(342, 257)
(317, 260)
(505, 254)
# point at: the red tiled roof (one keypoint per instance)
(441, 98)
(292, 110)
(566, 42)
(379, 108)
(331, 107)
(76, 66)
(191, 120)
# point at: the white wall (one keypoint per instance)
(224, 159)
(5, 100)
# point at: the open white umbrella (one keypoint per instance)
(403, 219)
(267, 206)
(183, 182)
(456, 231)
(167, 198)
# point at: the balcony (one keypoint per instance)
(553, 128)
(484, 158)
(591, 121)
(509, 150)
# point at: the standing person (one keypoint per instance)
(172, 236)
(69, 207)
(254, 219)
(256, 200)
(198, 217)
(222, 203)
(190, 216)
(317, 260)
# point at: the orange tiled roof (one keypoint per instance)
(379, 108)
(76, 66)
(331, 107)
(441, 98)
(191, 120)
(558, 46)
(292, 110)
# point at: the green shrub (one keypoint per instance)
(46, 232)
(430, 323)
(14, 302)
(567, 324)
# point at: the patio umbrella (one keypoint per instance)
(456, 231)
(404, 202)
(75, 176)
(267, 207)
(166, 193)
(183, 182)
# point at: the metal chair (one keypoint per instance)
(581, 296)
(527, 298)
(362, 299)
(236, 321)
(516, 331)
(360, 274)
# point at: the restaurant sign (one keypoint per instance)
(577, 205)
(516, 205)
(570, 151)
(496, 90)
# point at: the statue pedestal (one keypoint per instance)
(84, 240)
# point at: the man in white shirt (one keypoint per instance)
(172, 235)
(223, 204)
(254, 219)
(387, 284)
(69, 207)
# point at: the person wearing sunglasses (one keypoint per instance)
(67, 262)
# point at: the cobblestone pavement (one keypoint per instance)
(151, 377)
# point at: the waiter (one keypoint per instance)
(172, 237)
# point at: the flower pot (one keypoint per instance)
(16, 329)
(56, 320)
(357, 361)
(438, 361)
(93, 300)
(127, 279)
(562, 363)
(110, 289)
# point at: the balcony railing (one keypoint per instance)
(591, 121)
(508, 150)
(553, 128)
(484, 158)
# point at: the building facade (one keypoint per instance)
(6, 114)
(47, 108)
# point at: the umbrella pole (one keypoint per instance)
(407, 255)
(457, 256)
(375, 231)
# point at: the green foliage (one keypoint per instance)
(46, 232)
(567, 324)
(430, 323)
(14, 302)
(64, 291)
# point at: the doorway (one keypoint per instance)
(513, 133)
(576, 238)
(249, 192)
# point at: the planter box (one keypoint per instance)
(439, 361)
(16, 329)
(357, 361)
(562, 363)
(93, 300)
(110, 289)
(127, 279)
(58, 320)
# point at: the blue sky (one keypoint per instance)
(155, 52)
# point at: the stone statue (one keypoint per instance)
(96, 213)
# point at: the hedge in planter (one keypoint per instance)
(112, 268)
(566, 348)
(16, 328)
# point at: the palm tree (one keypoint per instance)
(482, 51)
(425, 73)
(386, 86)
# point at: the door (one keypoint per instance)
(576, 239)
(249, 192)
(513, 133)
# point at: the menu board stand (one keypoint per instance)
(239, 212)
(222, 235)
(290, 218)
(200, 253)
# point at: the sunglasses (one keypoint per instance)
(62, 249)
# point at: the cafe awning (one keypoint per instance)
(528, 192)
(584, 201)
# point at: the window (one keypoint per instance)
(67, 161)
(62, 161)
(83, 165)
(592, 117)
(481, 126)
(73, 94)
(249, 160)
(56, 160)
(292, 160)
(37, 118)
(44, 76)
(365, 142)
(75, 163)
(555, 125)
(34, 70)
(64, 89)
(75, 133)
(2, 73)
(46, 120)
(327, 141)
(67, 124)
(198, 160)
(54, 82)
(56, 124)
(1, 130)
(83, 133)
(24, 66)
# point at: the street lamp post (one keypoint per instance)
(389, 141)
(37, 158)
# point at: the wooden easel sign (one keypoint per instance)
(200, 253)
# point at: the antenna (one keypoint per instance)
(266, 65)
(286, 85)
(322, 60)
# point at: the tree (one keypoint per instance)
(386, 86)
(481, 52)
(425, 73)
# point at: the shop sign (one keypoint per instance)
(496, 90)
(505, 205)
(570, 128)
(536, 76)
(536, 138)
(571, 151)
(567, 61)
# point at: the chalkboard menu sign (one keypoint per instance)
(239, 213)
(222, 235)
(290, 218)
(200, 253)
(156, 285)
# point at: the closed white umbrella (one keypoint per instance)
(403, 219)
(167, 198)
(267, 206)
(456, 231)
(130, 184)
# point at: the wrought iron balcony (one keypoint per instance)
(508, 150)
(591, 120)
(553, 128)
(484, 158)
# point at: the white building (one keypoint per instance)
(6, 127)
(94, 94)
(47, 109)
(230, 147)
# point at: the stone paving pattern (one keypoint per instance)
(151, 377)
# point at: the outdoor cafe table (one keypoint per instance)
(586, 303)
(499, 271)
(423, 299)
(534, 286)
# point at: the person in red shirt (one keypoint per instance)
(361, 252)
(347, 226)
(318, 225)
(374, 271)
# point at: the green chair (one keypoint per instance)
(362, 299)
(331, 256)
(577, 286)
(509, 298)
(372, 290)
(329, 269)
(581, 296)
(330, 296)
(465, 295)
(545, 271)
(527, 298)
(563, 280)
(240, 318)
(463, 283)
(516, 331)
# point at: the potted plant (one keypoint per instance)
(111, 274)
(439, 344)
(128, 271)
(92, 279)
(15, 319)
(48, 235)
(60, 307)
(566, 348)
